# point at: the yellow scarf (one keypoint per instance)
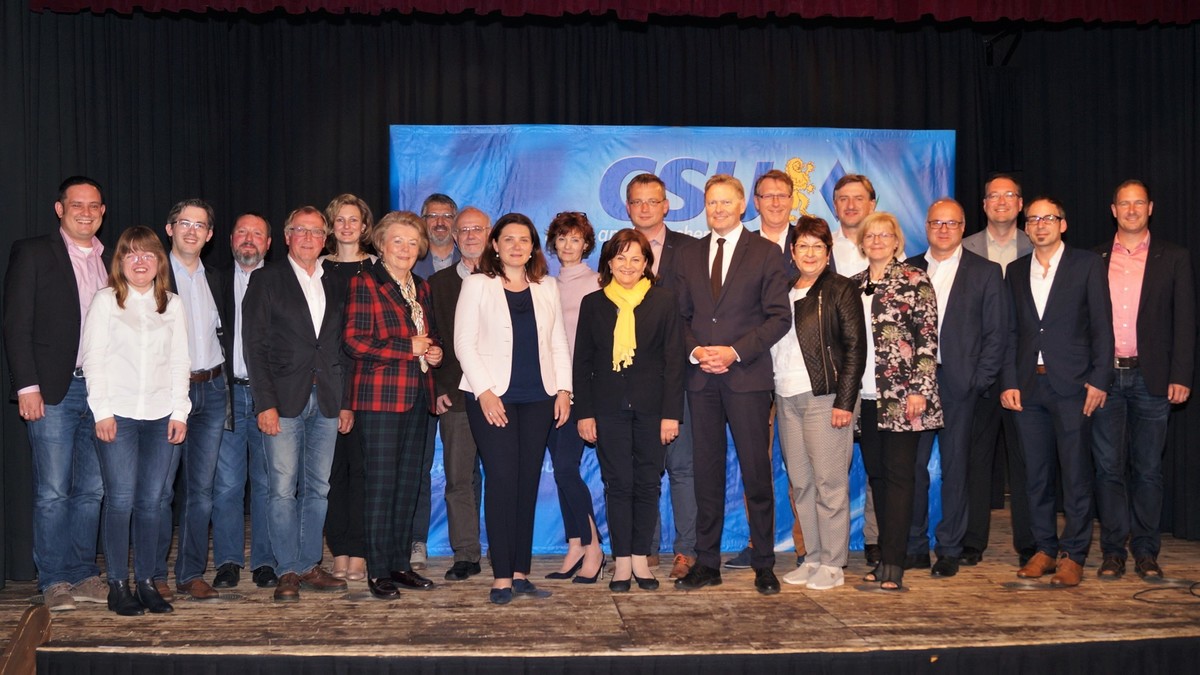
(624, 337)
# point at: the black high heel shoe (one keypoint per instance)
(121, 600)
(580, 579)
(569, 573)
(646, 584)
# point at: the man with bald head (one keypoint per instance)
(972, 321)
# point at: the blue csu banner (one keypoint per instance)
(540, 170)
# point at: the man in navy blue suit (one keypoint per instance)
(1058, 367)
(972, 324)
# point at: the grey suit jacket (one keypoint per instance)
(977, 243)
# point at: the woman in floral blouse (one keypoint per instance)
(899, 388)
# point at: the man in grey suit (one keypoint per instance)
(972, 321)
(732, 288)
(1002, 242)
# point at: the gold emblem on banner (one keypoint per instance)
(799, 171)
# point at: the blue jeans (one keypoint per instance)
(136, 469)
(205, 424)
(67, 490)
(298, 462)
(241, 453)
(1128, 437)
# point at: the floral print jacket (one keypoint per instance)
(904, 327)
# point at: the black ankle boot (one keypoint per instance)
(148, 595)
(121, 600)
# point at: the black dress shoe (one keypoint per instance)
(919, 561)
(264, 577)
(1147, 567)
(383, 588)
(647, 584)
(227, 576)
(410, 579)
(873, 553)
(946, 566)
(462, 570)
(121, 600)
(148, 595)
(699, 577)
(1113, 567)
(620, 585)
(970, 557)
(765, 582)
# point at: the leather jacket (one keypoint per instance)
(832, 336)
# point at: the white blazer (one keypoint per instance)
(483, 336)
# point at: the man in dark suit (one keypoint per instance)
(647, 204)
(972, 325)
(294, 320)
(190, 226)
(1150, 284)
(460, 457)
(1058, 366)
(1002, 242)
(50, 283)
(732, 288)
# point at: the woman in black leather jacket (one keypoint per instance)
(818, 369)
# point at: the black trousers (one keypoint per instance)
(890, 459)
(629, 447)
(347, 482)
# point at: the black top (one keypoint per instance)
(525, 383)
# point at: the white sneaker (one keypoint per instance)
(826, 578)
(800, 575)
(418, 559)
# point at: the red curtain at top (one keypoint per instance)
(1121, 11)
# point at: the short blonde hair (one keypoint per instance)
(889, 221)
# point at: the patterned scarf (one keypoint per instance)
(624, 336)
(408, 291)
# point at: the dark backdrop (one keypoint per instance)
(267, 112)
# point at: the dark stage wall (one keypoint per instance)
(268, 112)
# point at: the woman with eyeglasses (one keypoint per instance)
(899, 388)
(571, 239)
(511, 341)
(818, 369)
(348, 256)
(135, 357)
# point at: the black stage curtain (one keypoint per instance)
(1140, 11)
(268, 112)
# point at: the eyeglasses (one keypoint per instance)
(1049, 220)
(437, 216)
(476, 229)
(878, 236)
(809, 248)
(313, 233)
(997, 196)
(943, 224)
(135, 258)
(773, 197)
(190, 225)
(638, 203)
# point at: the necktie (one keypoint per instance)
(718, 262)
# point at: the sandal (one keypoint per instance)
(872, 576)
(890, 577)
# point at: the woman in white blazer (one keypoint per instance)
(510, 339)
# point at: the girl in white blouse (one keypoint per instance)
(136, 363)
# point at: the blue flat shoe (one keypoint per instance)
(500, 596)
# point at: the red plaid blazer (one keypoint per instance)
(379, 331)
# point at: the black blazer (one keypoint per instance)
(220, 284)
(283, 354)
(1166, 322)
(444, 287)
(975, 325)
(1075, 334)
(41, 316)
(653, 383)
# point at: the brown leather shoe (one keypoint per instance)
(198, 588)
(1040, 564)
(319, 579)
(288, 589)
(1070, 573)
(683, 565)
(164, 589)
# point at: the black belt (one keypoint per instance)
(1125, 362)
(78, 373)
(244, 381)
(199, 376)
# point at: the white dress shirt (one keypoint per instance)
(941, 275)
(314, 292)
(1041, 280)
(241, 280)
(731, 241)
(846, 256)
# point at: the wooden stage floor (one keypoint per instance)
(983, 607)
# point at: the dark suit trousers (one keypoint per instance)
(748, 415)
(1055, 433)
(993, 426)
(954, 444)
(631, 453)
(574, 497)
(890, 458)
(512, 467)
(393, 449)
(347, 479)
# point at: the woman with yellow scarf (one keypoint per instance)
(628, 375)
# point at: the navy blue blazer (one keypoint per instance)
(1075, 333)
(974, 327)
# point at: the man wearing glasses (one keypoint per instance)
(293, 343)
(1001, 242)
(190, 227)
(972, 326)
(439, 211)
(1058, 367)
